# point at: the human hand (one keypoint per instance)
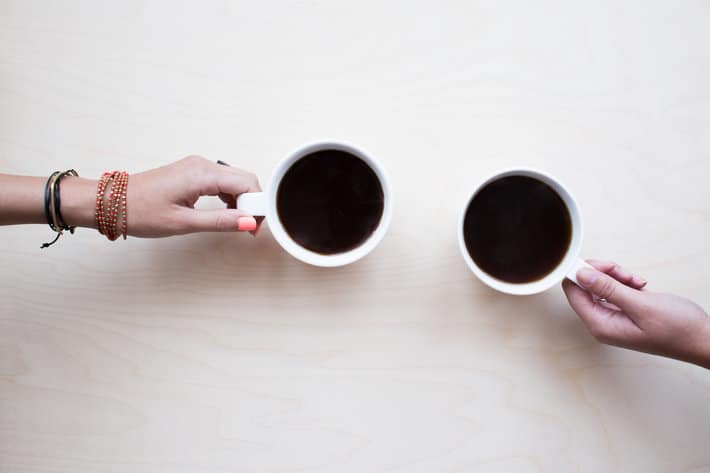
(161, 201)
(638, 319)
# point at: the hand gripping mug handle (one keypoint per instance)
(253, 203)
(579, 264)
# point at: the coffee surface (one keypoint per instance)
(517, 229)
(330, 201)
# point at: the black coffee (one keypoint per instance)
(330, 201)
(517, 229)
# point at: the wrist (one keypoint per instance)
(79, 201)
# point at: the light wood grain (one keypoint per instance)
(221, 353)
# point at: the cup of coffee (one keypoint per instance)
(521, 232)
(327, 204)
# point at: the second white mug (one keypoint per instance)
(569, 264)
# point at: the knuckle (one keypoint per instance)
(251, 178)
(223, 223)
(194, 160)
(606, 290)
(621, 273)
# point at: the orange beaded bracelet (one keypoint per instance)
(108, 212)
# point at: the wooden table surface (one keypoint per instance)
(221, 353)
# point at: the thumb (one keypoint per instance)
(605, 287)
(218, 220)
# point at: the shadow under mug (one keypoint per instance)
(264, 204)
(568, 266)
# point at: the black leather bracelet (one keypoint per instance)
(57, 200)
(46, 200)
(52, 204)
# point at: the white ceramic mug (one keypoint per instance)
(264, 204)
(571, 262)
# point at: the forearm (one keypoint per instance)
(22, 200)
(694, 345)
(79, 201)
(701, 352)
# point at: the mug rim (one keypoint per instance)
(311, 257)
(571, 255)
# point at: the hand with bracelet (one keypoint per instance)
(155, 203)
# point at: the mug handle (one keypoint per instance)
(579, 264)
(253, 203)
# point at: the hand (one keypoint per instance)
(637, 319)
(161, 201)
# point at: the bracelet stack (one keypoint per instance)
(111, 214)
(52, 205)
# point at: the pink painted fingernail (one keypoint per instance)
(246, 224)
(586, 276)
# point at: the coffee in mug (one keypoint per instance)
(327, 204)
(330, 201)
(517, 229)
(521, 232)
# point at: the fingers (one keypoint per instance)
(605, 287)
(217, 220)
(605, 324)
(619, 273)
(214, 179)
(233, 181)
(591, 313)
(225, 181)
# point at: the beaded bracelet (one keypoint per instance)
(100, 220)
(108, 211)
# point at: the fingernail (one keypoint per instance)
(246, 224)
(586, 276)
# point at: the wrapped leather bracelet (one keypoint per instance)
(52, 204)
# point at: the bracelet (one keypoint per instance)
(52, 205)
(57, 200)
(112, 214)
(47, 191)
(100, 220)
